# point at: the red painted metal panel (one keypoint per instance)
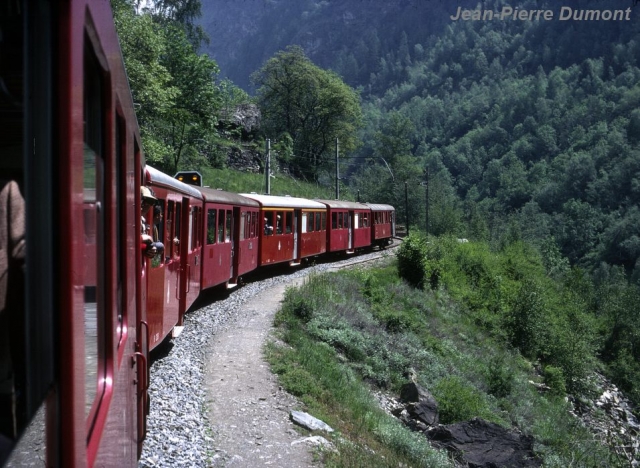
(276, 248)
(216, 264)
(313, 243)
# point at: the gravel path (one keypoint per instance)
(214, 401)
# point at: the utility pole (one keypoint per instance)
(406, 205)
(267, 168)
(337, 172)
(426, 222)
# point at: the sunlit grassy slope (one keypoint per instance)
(245, 182)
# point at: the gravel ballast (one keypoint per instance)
(178, 430)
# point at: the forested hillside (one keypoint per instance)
(528, 128)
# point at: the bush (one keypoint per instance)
(458, 401)
(500, 378)
(527, 321)
(554, 379)
(411, 257)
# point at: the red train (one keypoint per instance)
(81, 305)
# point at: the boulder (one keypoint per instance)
(483, 444)
(306, 420)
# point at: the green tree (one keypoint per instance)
(174, 89)
(312, 105)
(143, 46)
(193, 117)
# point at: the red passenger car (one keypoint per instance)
(174, 275)
(231, 235)
(290, 228)
(349, 227)
(69, 321)
(384, 224)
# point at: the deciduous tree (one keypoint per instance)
(313, 106)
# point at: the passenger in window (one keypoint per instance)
(149, 250)
(157, 221)
(278, 225)
(12, 264)
(268, 229)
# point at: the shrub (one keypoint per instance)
(527, 321)
(458, 401)
(411, 256)
(500, 378)
(554, 379)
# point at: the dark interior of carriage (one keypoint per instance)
(11, 89)
(11, 168)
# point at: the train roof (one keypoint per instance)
(160, 178)
(229, 198)
(380, 207)
(343, 204)
(274, 201)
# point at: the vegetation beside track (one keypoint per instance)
(474, 326)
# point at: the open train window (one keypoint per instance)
(94, 226)
(211, 226)
(220, 226)
(228, 226)
(177, 224)
(289, 223)
(254, 224)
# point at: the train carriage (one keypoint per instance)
(231, 235)
(174, 275)
(384, 224)
(290, 228)
(70, 334)
(349, 225)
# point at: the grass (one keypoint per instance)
(282, 184)
(350, 331)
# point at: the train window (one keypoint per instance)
(308, 220)
(243, 227)
(157, 230)
(324, 221)
(227, 237)
(356, 222)
(177, 223)
(168, 245)
(268, 223)
(340, 220)
(192, 226)
(254, 216)
(279, 221)
(334, 220)
(318, 221)
(289, 222)
(305, 224)
(220, 226)
(121, 222)
(211, 226)
(94, 226)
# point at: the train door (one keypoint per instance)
(351, 227)
(238, 227)
(183, 247)
(296, 229)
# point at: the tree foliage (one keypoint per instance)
(174, 88)
(313, 106)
